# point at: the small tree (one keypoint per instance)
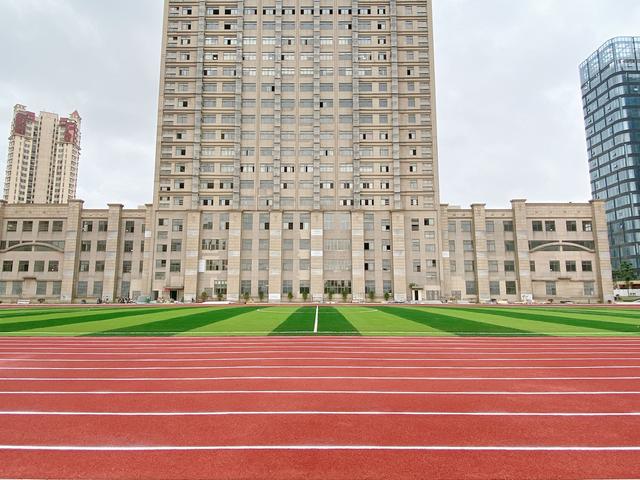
(371, 295)
(387, 296)
(290, 296)
(261, 295)
(219, 296)
(246, 297)
(626, 274)
(305, 295)
(330, 295)
(204, 296)
(344, 295)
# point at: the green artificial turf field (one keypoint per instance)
(299, 320)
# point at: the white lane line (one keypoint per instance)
(352, 359)
(343, 350)
(454, 448)
(332, 367)
(315, 324)
(382, 378)
(306, 392)
(318, 413)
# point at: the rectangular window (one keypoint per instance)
(81, 289)
(551, 288)
(587, 266)
(471, 287)
(511, 288)
(589, 289)
(570, 265)
(554, 265)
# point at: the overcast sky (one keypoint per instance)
(509, 111)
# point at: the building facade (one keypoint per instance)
(297, 154)
(42, 163)
(611, 97)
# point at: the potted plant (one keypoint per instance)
(344, 295)
(330, 296)
(204, 296)
(261, 295)
(387, 296)
(290, 296)
(305, 296)
(219, 296)
(246, 297)
(371, 295)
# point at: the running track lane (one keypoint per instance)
(289, 445)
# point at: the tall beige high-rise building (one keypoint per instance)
(296, 148)
(42, 164)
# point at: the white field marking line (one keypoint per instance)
(120, 343)
(306, 348)
(357, 359)
(334, 367)
(312, 392)
(315, 323)
(382, 378)
(318, 413)
(165, 448)
(216, 333)
(193, 341)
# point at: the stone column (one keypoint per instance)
(275, 257)
(480, 251)
(234, 246)
(521, 237)
(71, 251)
(603, 255)
(317, 256)
(192, 256)
(445, 261)
(149, 244)
(357, 256)
(113, 255)
(398, 247)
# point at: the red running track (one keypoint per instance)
(208, 408)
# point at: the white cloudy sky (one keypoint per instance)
(509, 113)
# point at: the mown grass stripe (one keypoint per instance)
(458, 326)
(301, 320)
(70, 320)
(203, 317)
(569, 321)
(331, 320)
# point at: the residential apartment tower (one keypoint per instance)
(42, 164)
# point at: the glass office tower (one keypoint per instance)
(610, 81)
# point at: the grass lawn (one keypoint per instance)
(336, 319)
